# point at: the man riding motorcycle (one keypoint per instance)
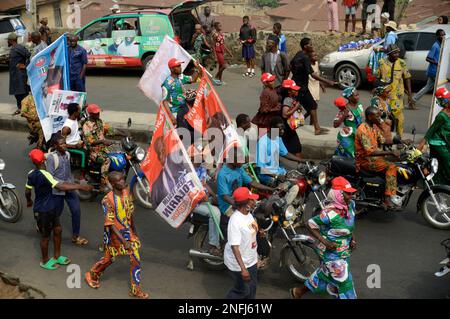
(369, 156)
(273, 158)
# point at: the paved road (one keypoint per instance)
(116, 90)
(402, 244)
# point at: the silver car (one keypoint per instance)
(348, 67)
(8, 24)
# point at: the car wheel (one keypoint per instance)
(348, 76)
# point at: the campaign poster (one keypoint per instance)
(61, 100)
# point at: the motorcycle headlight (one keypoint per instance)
(290, 213)
(434, 165)
(2, 165)
(139, 153)
(322, 179)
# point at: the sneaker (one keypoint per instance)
(217, 82)
(246, 74)
(252, 75)
(442, 272)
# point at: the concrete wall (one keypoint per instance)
(47, 10)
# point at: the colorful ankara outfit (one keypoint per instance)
(367, 141)
(385, 109)
(335, 223)
(397, 94)
(118, 212)
(28, 110)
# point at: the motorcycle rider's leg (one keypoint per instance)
(203, 209)
(378, 165)
(288, 164)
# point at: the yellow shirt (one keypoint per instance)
(400, 74)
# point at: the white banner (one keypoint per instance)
(158, 71)
(61, 100)
(442, 77)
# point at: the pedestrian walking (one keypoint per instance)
(275, 62)
(269, 102)
(281, 37)
(350, 9)
(219, 51)
(19, 57)
(333, 16)
(366, 5)
(334, 229)
(77, 65)
(315, 85)
(45, 32)
(45, 209)
(247, 36)
(438, 137)
(207, 21)
(393, 71)
(119, 237)
(58, 165)
(433, 60)
(291, 112)
(240, 255)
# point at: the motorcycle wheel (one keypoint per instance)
(430, 212)
(300, 271)
(12, 211)
(142, 195)
(83, 195)
(201, 244)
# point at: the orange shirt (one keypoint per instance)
(367, 141)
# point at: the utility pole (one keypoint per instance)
(32, 10)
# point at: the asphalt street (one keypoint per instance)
(405, 248)
(116, 90)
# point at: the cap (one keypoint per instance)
(340, 102)
(392, 48)
(37, 156)
(93, 109)
(385, 15)
(290, 84)
(174, 62)
(267, 77)
(242, 194)
(341, 184)
(391, 24)
(12, 36)
(115, 7)
(442, 93)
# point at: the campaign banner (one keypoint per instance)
(174, 185)
(48, 72)
(210, 113)
(158, 71)
(61, 100)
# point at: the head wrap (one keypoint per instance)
(381, 89)
(348, 92)
(337, 203)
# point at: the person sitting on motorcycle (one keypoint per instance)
(369, 156)
(94, 131)
(272, 156)
(28, 111)
(230, 177)
(70, 127)
(203, 208)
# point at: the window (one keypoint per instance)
(426, 41)
(407, 41)
(97, 30)
(57, 13)
(5, 26)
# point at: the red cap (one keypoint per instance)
(174, 62)
(242, 194)
(37, 156)
(340, 102)
(290, 84)
(442, 93)
(267, 77)
(93, 109)
(341, 184)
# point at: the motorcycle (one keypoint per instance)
(10, 204)
(414, 170)
(127, 157)
(297, 255)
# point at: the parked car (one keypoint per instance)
(131, 38)
(348, 67)
(8, 24)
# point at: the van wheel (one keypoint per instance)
(146, 62)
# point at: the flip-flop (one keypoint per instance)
(320, 133)
(51, 264)
(91, 282)
(63, 260)
(80, 241)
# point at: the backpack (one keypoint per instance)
(56, 158)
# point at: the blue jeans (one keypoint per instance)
(203, 209)
(244, 289)
(427, 88)
(73, 202)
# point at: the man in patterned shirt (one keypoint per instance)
(28, 111)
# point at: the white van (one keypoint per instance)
(8, 24)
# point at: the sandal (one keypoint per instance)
(63, 260)
(93, 283)
(51, 264)
(262, 263)
(321, 132)
(293, 296)
(80, 241)
(16, 113)
(140, 295)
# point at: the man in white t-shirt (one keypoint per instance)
(70, 127)
(240, 255)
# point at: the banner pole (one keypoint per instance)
(217, 222)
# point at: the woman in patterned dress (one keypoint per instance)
(351, 116)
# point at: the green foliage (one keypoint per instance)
(267, 3)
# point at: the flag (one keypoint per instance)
(174, 185)
(48, 71)
(158, 71)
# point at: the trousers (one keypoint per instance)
(333, 16)
(378, 165)
(73, 202)
(244, 289)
